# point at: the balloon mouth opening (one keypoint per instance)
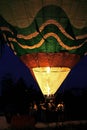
(49, 79)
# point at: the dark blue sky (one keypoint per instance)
(9, 63)
(77, 78)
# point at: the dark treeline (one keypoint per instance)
(17, 98)
(75, 101)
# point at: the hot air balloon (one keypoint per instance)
(49, 47)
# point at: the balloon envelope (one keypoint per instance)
(49, 41)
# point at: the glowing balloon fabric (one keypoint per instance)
(49, 41)
(48, 33)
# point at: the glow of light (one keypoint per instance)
(50, 78)
(48, 69)
(48, 89)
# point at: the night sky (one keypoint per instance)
(11, 64)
